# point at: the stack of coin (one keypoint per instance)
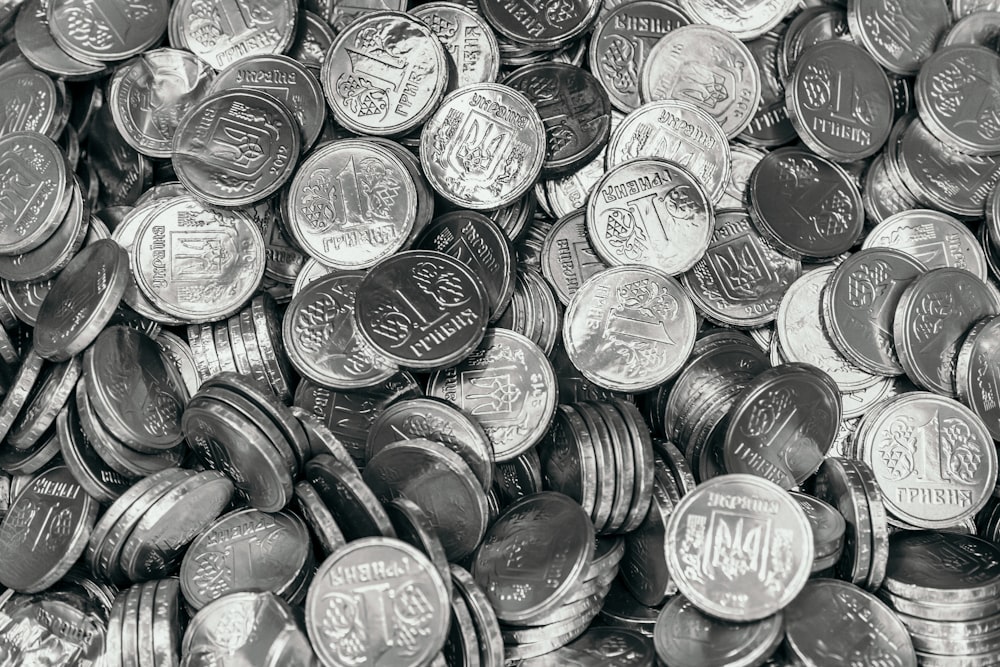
(828, 529)
(144, 624)
(943, 587)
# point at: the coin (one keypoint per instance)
(467, 39)
(48, 259)
(899, 40)
(879, 194)
(568, 459)
(879, 521)
(933, 313)
(739, 505)
(828, 524)
(412, 592)
(568, 259)
(536, 27)
(33, 100)
(629, 328)
(935, 239)
(221, 31)
(866, 627)
(741, 278)
(38, 192)
(806, 206)
(483, 148)
(976, 370)
(644, 567)
(770, 125)
(356, 509)
(116, 31)
(318, 516)
(38, 46)
(235, 147)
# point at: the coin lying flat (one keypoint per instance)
(935, 239)
(467, 39)
(221, 32)
(537, 26)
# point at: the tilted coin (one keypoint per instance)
(358, 512)
(538, 27)
(677, 131)
(745, 22)
(39, 47)
(235, 147)
(976, 370)
(312, 41)
(629, 328)
(719, 516)
(568, 459)
(879, 523)
(34, 457)
(318, 516)
(879, 194)
(350, 621)
(33, 100)
(828, 524)
(467, 39)
(838, 484)
(43, 404)
(650, 211)
(414, 527)
(741, 278)
(840, 101)
(65, 620)
(934, 312)
(770, 125)
(568, 259)
(980, 28)
(899, 38)
(221, 31)
(935, 239)
(813, 25)
(115, 31)
(866, 627)
(644, 567)
(484, 146)
(36, 188)
(45, 531)
(939, 567)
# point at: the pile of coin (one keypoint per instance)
(623, 332)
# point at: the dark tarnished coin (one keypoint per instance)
(235, 147)
(149, 95)
(568, 457)
(685, 637)
(956, 95)
(99, 480)
(899, 37)
(114, 30)
(368, 595)
(437, 420)
(33, 178)
(322, 340)
(629, 328)
(840, 101)
(859, 304)
(806, 206)
(413, 526)
(932, 457)
(484, 146)
(770, 125)
(977, 373)
(621, 42)
(352, 203)
(223, 31)
(554, 539)
(935, 239)
(716, 532)
(568, 259)
(679, 132)
(933, 314)
(318, 516)
(45, 531)
(828, 524)
(741, 278)
(385, 74)
(440, 482)
(542, 27)
(644, 566)
(574, 109)
(650, 211)
(286, 80)
(477, 241)
(81, 301)
(708, 67)
(865, 628)
(131, 391)
(356, 509)
(196, 262)
(467, 38)
(245, 550)
(783, 425)
(421, 309)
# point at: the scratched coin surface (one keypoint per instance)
(467, 38)
(421, 309)
(932, 457)
(678, 131)
(108, 31)
(711, 559)
(221, 32)
(235, 147)
(629, 328)
(321, 337)
(900, 37)
(151, 93)
(934, 313)
(508, 385)
(574, 109)
(652, 212)
(384, 74)
(708, 67)
(741, 278)
(353, 620)
(484, 146)
(840, 101)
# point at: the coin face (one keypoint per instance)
(652, 212)
(35, 184)
(933, 314)
(321, 337)
(410, 591)
(33, 99)
(236, 147)
(223, 31)
(150, 94)
(976, 373)
(745, 20)
(568, 259)
(115, 31)
(677, 131)
(741, 278)
(422, 309)
(385, 74)
(899, 38)
(840, 101)
(935, 239)
(710, 530)
(770, 125)
(467, 38)
(806, 206)
(484, 146)
(621, 43)
(629, 328)
(865, 627)
(708, 67)
(539, 26)
(900, 441)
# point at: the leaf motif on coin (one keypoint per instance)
(379, 187)
(931, 313)
(213, 574)
(625, 234)
(443, 136)
(362, 97)
(558, 12)
(315, 322)
(961, 453)
(691, 547)
(779, 562)
(618, 63)
(19, 519)
(319, 200)
(832, 216)
(898, 457)
(233, 628)
(342, 625)
(412, 613)
(867, 283)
